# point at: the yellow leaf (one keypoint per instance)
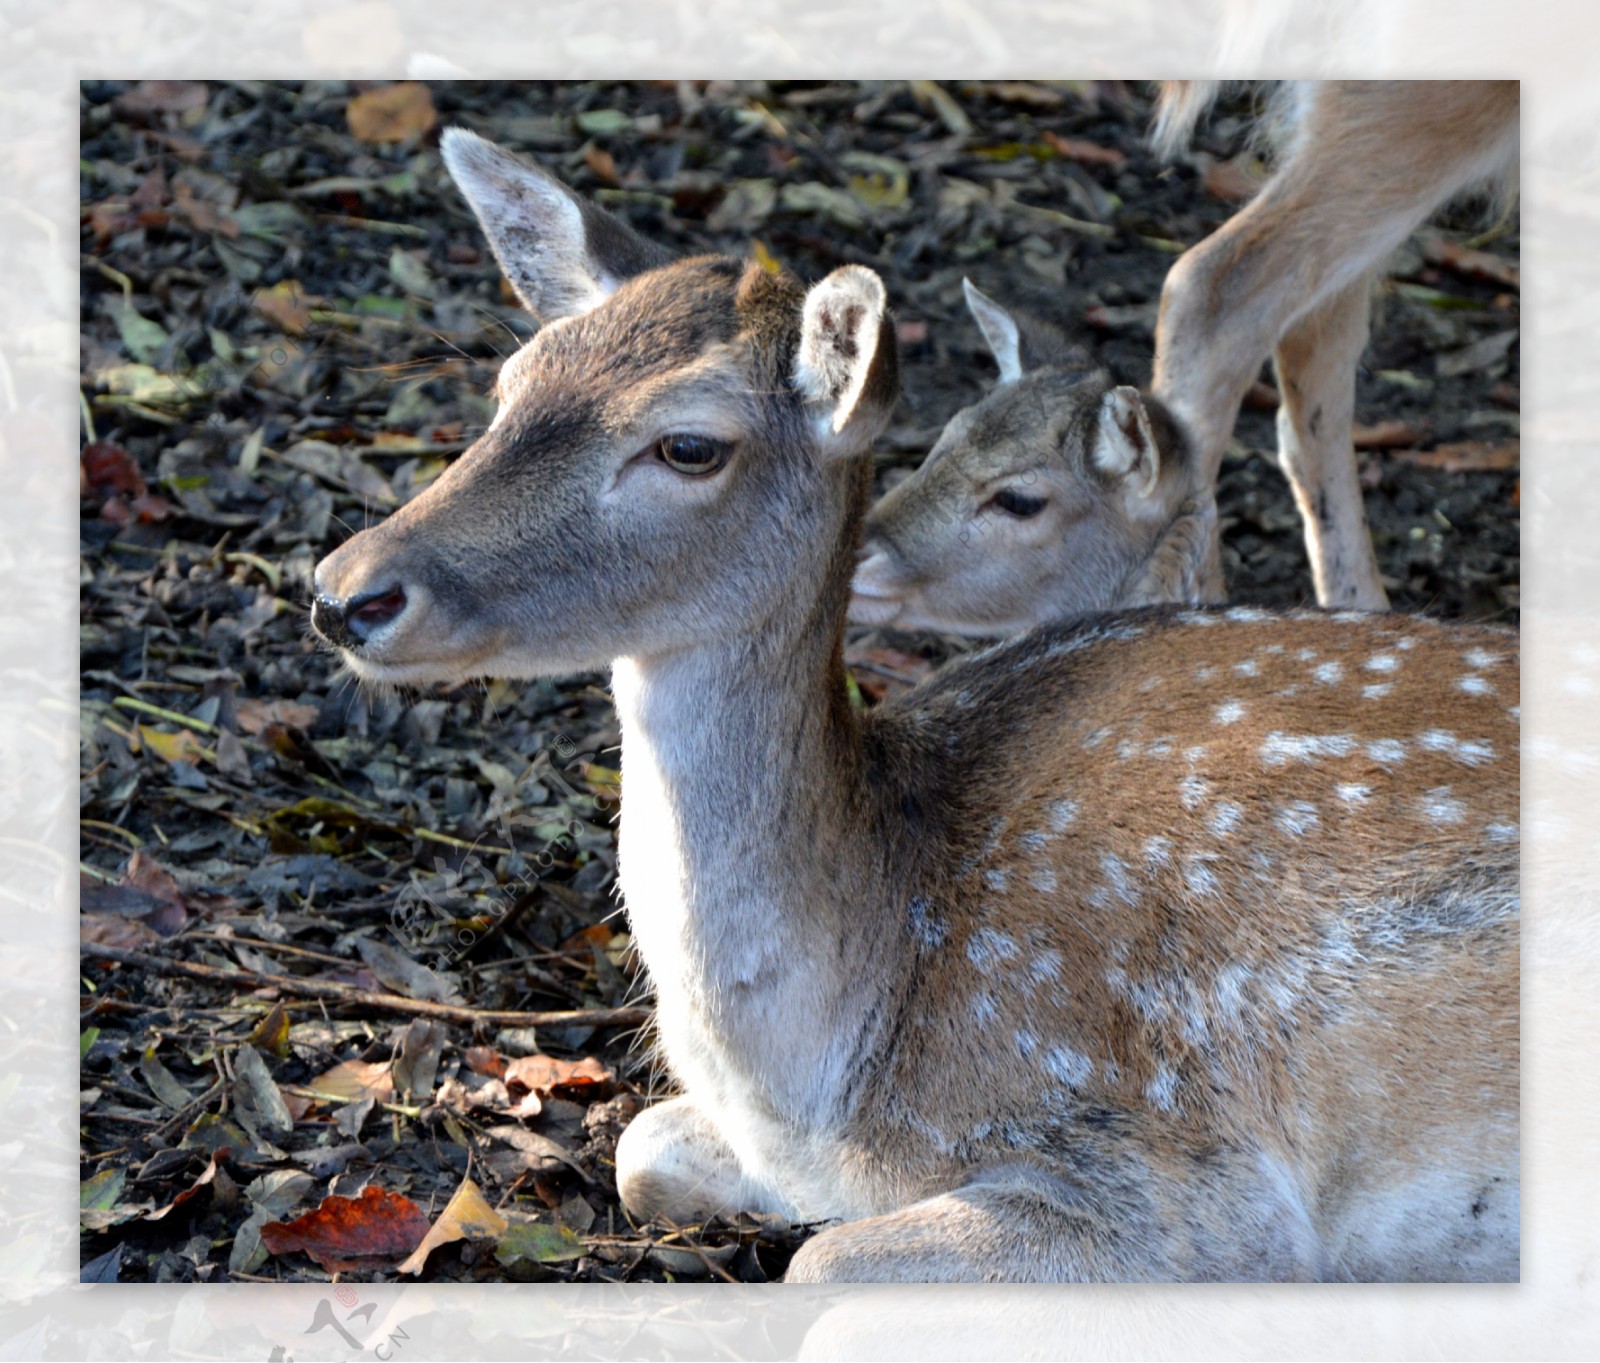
(182, 746)
(765, 259)
(392, 113)
(467, 1217)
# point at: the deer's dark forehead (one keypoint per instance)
(663, 322)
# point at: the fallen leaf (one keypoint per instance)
(352, 1234)
(486, 1060)
(1479, 355)
(257, 1103)
(535, 1242)
(108, 469)
(164, 97)
(272, 1032)
(286, 305)
(931, 95)
(183, 746)
(466, 1217)
(416, 1059)
(1084, 153)
(584, 1080)
(354, 1079)
(213, 1173)
(256, 715)
(400, 972)
(392, 113)
(158, 1078)
(108, 930)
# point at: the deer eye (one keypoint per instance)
(1018, 504)
(693, 455)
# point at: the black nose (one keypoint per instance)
(349, 624)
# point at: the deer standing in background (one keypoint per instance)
(1179, 947)
(1023, 514)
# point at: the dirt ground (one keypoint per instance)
(353, 967)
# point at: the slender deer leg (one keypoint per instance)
(672, 1161)
(1135, 1224)
(1316, 363)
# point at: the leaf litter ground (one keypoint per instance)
(357, 997)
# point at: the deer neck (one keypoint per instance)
(745, 865)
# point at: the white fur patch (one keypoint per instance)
(1229, 712)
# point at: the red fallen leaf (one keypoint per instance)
(1084, 153)
(150, 507)
(596, 934)
(110, 469)
(346, 1235)
(581, 1081)
(1388, 435)
(486, 1060)
(1467, 456)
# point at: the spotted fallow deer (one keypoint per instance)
(1059, 493)
(1178, 946)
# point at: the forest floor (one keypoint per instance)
(355, 982)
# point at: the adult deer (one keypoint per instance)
(1016, 517)
(1180, 947)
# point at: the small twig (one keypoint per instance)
(393, 1003)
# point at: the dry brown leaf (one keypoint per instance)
(466, 1217)
(286, 304)
(392, 113)
(164, 97)
(354, 1079)
(580, 1080)
(1472, 264)
(256, 715)
(1084, 153)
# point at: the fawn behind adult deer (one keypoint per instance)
(1179, 947)
(1022, 513)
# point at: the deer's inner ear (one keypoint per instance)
(561, 254)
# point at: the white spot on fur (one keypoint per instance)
(1229, 712)
(1387, 752)
(1127, 749)
(1204, 673)
(988, 948)
(1352, 793)
(995, 878)
(1198, 875)
(1159, 747)
(1307, 655)
(1157, 851)
(1515, 712)
(1381, 662)
(1027, 1042)
(1298, 819)
(1328, 673)
(1197, 618)
(1045, 966)
(1034, 840)
(1502, 832)
(1247, 668)
(1230, 984)
(1043, 880)
(1116, 875)
(1475, 686)
(1192, 791)
(1066, 1066)
(1225, 818)
(1062, 813)
(1278, 749)
(984, 1011)
(1405, 645)
(1248, 615)
(1478, 657)
(1440, 806)
(1162, 1091)
(1472, 752)
(1376, 690)
(1098, 737)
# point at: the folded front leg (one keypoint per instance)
(673, 1162)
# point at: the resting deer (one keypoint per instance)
(1017, 517)
(1182, 946)
(1060, 493)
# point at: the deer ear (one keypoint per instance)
(846, 368)
(1125, 448)
(999, 329)
(562, 255)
